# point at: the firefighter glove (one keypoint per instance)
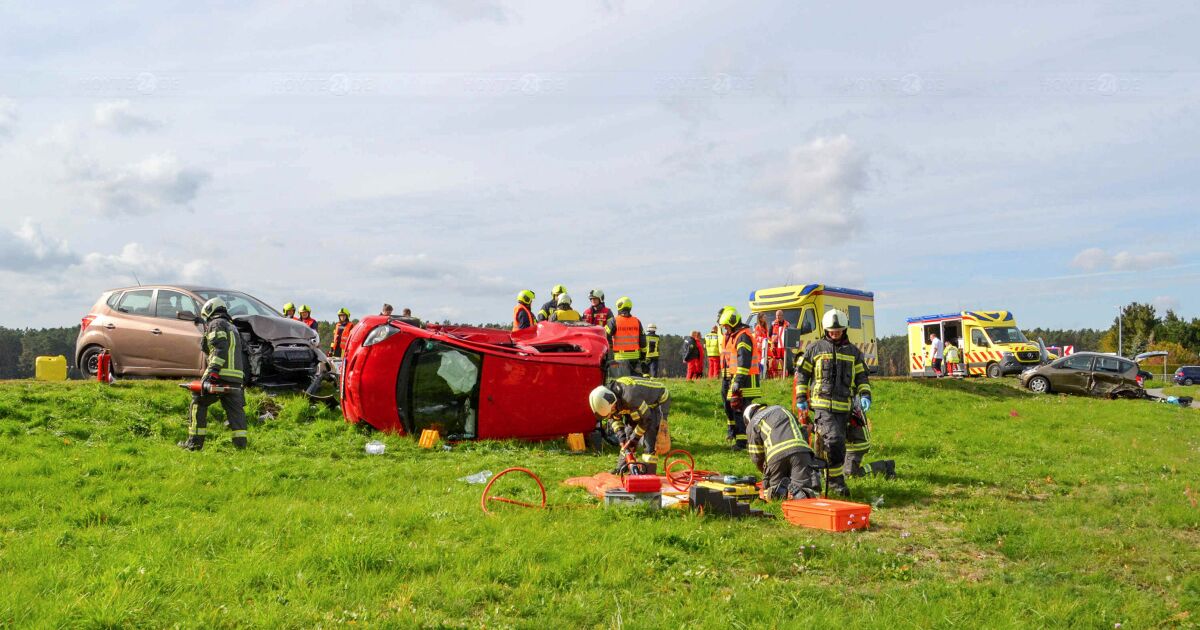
(865, 403)
(802, 404)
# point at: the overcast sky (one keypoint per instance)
(1037, 156)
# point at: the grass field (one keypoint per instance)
(1010, 511)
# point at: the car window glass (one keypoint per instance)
(1077, 363)
(171, 303)
(137, 302)
(445, 390)
(113, 299)
(1108, 364)
(239, 303)
(977, 337)
(855, 317)
(810, 321)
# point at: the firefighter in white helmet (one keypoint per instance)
(829, 378)
(635, 408)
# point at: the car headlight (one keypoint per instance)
(379, 333)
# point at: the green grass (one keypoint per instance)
(1181, 390)
(1010, 511)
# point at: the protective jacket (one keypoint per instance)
(651, 347)
(627, 337)
(598, 315)
(777, 330)
(547, 309)
(692, 349)
(712, 345)
(742, 356)
(636, 398)
(831, 374)
(221, 344)
(522, 317)
(773, 434)
(308, 321)
(341, 338)
(564, 315)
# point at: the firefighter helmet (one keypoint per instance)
(344, 311)
(603, 401)
(624, 303)
(596, 293)
(564, 300)
(730, 317)
(834, 319)
(558, 290)
(751, 409)
(652, 328)
(305, 309)
(525, 297)
(289, 307)
(212, 308)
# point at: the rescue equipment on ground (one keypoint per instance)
(104, 367)
(429, 438)
(707, 500)
(575, 443)
(50, 368)
(622, 497)
(205, 387)
(827, 514)
(487, 491)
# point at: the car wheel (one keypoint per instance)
(89, 361)
(1039, 385)
(993, 370)
(1188, 381)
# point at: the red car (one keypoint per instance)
(469, 382)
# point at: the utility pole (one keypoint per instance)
(1120, 344)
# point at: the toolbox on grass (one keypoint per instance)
(827, 514)
(619, 496)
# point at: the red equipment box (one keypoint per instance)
(643, 483)
(827, 514)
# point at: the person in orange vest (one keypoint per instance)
(777, 365)
(522, 314)
(742, 357)
(597, 314)
(341, 334)
(693, 355)
(626, 338)
(289, 310)
(306, 317)
(712, 350)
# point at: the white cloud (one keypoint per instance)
(821, 266)
(120, 117)
(419, 270)
(1165, 303)
(151, 267)
(1096, 259)
(156, 183)
(811, 193)
(28, 248)
(8, 117)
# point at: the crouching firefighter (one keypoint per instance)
(635, 409)
(225, 369)
(777, 447)
(828, 378)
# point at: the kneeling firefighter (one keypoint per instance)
(225, 370)
(777, 447)
(828, 378)
(635, 409)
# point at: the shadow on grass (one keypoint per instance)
(996, 389)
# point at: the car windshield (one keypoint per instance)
(1006, 334)
(239, 303)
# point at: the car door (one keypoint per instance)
(1072, 375)
(1106, 375)
(132, 342)
(178, 348)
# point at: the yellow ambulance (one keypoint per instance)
(989, 341)
(803, 307)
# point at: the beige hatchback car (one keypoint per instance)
(154, 331)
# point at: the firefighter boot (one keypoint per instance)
(853, 466)
(193, 443)
(239, 440)
(837, 485)
(885, 467)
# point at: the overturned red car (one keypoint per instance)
(472, 383)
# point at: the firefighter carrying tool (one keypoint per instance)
(742, 358)
(777, 447)
(635, 409)
(341, 334)
(830, 375)
(223, 376)
(627, 338)
(522, 314)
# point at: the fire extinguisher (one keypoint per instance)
(104, 367)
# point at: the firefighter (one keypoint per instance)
(289, 310)
(597, 314)
(635, 409)
(741, 367)
(693, 356)
(522, 314)
(225, 367)
(341, 334)
(650, 350)
(828, 378)
(778, 448)
(548, 308)
(306, 317)
(563, 312)
(626, 338)
(712, 350)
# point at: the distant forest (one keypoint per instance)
(1142, 329)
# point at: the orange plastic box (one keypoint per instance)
(827, 514)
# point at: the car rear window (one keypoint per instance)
(1109, 364)
(137, 302)
(113, 299)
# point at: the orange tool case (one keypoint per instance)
(827, 514)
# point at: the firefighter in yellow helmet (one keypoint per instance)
(626, 338)
(828, 378)
(549, 307)
(522, 313)
(742, 357)
(289, 310)
(341, 334)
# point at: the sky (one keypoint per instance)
(1038, 157)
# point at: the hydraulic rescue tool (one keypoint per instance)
(204, 387)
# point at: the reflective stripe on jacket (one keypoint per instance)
(773, 433)
(522, 317)
(221, 345)
(712, 345)
(635, 398)
(831, 374)
(341, 338)
(651, 348)
(743, 356)
(627, 338)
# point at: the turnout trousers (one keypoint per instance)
(790, 477)
(832, 428)
(234, 404)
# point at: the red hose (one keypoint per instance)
(483, 500)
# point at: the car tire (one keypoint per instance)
(1188, 381)
(1039, 385)
(993, 370)
(89, 361)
